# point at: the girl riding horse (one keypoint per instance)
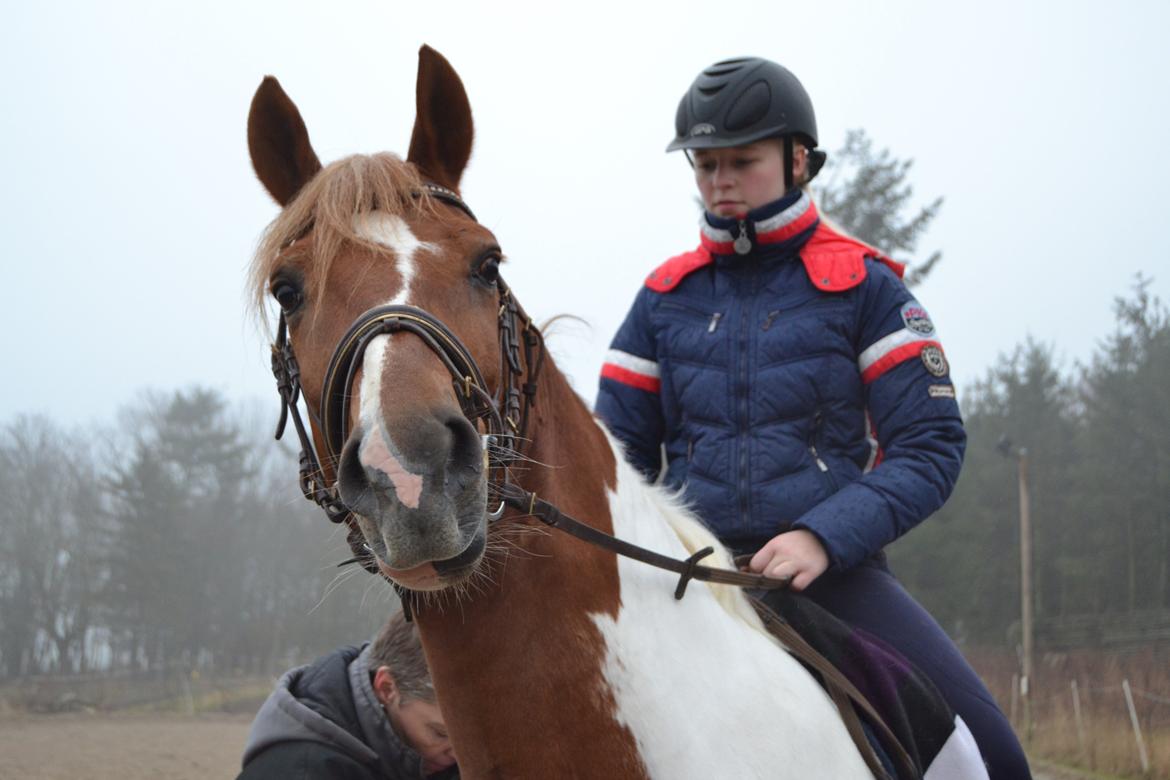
(798, 389)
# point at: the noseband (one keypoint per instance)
(503, 431)
(502, 415)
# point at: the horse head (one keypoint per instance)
(378, 234)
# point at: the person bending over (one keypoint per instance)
(358, 713)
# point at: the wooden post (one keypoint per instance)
(1026, 678)
(1015, 701)
(188, 698)
(1137, 730)
(1076, 697)
(1088, 715)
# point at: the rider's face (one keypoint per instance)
(735, 180)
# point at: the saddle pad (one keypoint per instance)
(903, 696)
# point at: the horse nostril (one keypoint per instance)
(352, 482)
(466, 449)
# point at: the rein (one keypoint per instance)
(504, 416)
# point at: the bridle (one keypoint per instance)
(503, 415)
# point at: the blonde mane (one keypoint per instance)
(351, 186)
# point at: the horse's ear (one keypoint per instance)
(279, 143)
(440, 145)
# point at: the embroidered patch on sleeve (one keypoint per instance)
(933, 359)
(941, 391)
(916, 319)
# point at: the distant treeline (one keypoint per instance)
(1097, 440)
(175, 538)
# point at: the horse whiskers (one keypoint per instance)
(507, 533)
(333, 585)
(370, 586)
(513, 456)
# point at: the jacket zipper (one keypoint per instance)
(743, 400)
(713, 320)
(812, 444)
(796, 311)
(742, 243)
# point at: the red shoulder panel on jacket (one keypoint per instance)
(835, 262)
(667, 276)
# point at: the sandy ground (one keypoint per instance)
(97, 747)
(109, 747)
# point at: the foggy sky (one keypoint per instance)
(129, 209)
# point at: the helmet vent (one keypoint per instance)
(709, 91)
(722, 69)
(750, 108)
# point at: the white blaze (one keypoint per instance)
(391, 231)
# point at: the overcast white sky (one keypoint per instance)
(128, 208)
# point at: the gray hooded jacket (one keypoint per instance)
(322, 720)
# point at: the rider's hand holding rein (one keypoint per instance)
(797, 554)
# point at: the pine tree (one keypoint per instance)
(867, 192)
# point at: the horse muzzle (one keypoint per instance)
(418, 486)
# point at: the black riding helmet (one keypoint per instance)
(740, 101)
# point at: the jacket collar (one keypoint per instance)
(779, 227)
(396, 758)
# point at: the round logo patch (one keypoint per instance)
(935, 362)
(916, 319)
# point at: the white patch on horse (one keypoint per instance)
(704, 691)
(392, 232)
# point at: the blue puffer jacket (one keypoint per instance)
(798, 385)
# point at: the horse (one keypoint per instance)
(442, 422)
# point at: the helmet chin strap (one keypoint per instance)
(787, 163)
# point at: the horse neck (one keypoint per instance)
(572, 463)
(525, 648)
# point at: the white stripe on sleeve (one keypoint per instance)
(632, 363)
(885, 345)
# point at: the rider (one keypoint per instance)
(783, 377)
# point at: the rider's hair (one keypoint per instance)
(397, 646)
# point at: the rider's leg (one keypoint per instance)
(870, 597)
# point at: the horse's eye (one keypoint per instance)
(489, 268)
(287, 294)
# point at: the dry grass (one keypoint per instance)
(1109, 745)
